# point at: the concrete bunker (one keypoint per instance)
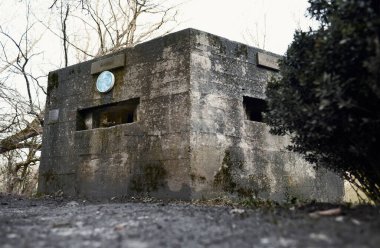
(182, 119)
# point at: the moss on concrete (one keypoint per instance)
(259, 183)
(224, 176)
(49, 176)
(241, 50)
(229, 179)
(197, 178)
(217, 42)
(53, 81)
(151, 179)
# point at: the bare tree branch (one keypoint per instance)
(119, 25)
(12, 142)
(55, 33)
(23, 57)
(64, 17)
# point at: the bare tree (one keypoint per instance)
(19, 169)
(64, 13)
(21, 111)
(86, 29)
(112, 25)
(257, 36)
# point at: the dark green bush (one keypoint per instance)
(328, 96)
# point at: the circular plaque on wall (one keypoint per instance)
(105, 81)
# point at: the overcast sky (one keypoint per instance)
(247, 21)
(239, 20)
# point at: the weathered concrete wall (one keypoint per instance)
(235, 155)
(191, 139)
(150, 155)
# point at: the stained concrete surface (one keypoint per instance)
(67, 223)
(192, 137)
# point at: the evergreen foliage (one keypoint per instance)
(328, 96)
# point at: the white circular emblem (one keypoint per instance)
(105, 81)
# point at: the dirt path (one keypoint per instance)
(62, 223)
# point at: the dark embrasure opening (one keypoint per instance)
(108, 115)
(254, 108)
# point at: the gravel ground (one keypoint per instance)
(66, 223)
